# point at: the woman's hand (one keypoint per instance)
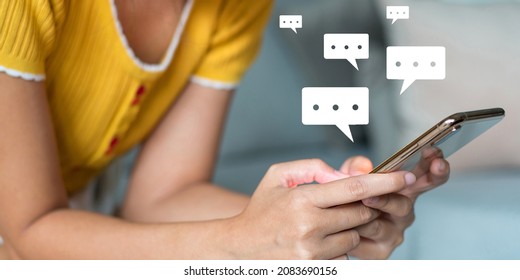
(290, 218)
(381, 236)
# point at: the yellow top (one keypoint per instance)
(103, 99)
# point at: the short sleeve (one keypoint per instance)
(27, 35)
(234, 44)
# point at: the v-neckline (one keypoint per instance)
(168, 56)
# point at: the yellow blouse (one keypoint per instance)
(103, 99)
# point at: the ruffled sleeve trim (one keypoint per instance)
(22, 75)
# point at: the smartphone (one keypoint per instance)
(442, 140)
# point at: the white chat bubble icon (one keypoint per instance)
(415, 63)
(291, 21)
(346, 46)
(397, 12)
(339, 106)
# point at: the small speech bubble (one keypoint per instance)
(339, 106)
(415, 63)
(291, 21)
(397, 12)
(346, 46)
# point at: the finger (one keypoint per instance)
(357, 165)
(439, 173)
(357, 188)
(340, 258)
(368, 249)
(292, 174)
(379, 230)
(394, 204)
(345, 217)
(403, 222)
(339, 243)
(427, 156)
(440, 168)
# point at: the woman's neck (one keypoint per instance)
(149, 25)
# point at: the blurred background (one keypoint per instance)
(476, 215)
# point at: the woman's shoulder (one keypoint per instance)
(27, 35)
(234, 41)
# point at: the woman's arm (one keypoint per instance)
(34, 219)
(172, 177)
(36, 223)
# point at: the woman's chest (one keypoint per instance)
(104, 100)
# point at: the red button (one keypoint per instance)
(138, 94)
(112, 145)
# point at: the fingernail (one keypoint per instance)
(410, 178)
(371, 200)
(442, 166)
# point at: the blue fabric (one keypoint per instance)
(474, 216)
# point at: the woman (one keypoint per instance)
(84, 81)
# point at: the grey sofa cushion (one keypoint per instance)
(482, 43)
